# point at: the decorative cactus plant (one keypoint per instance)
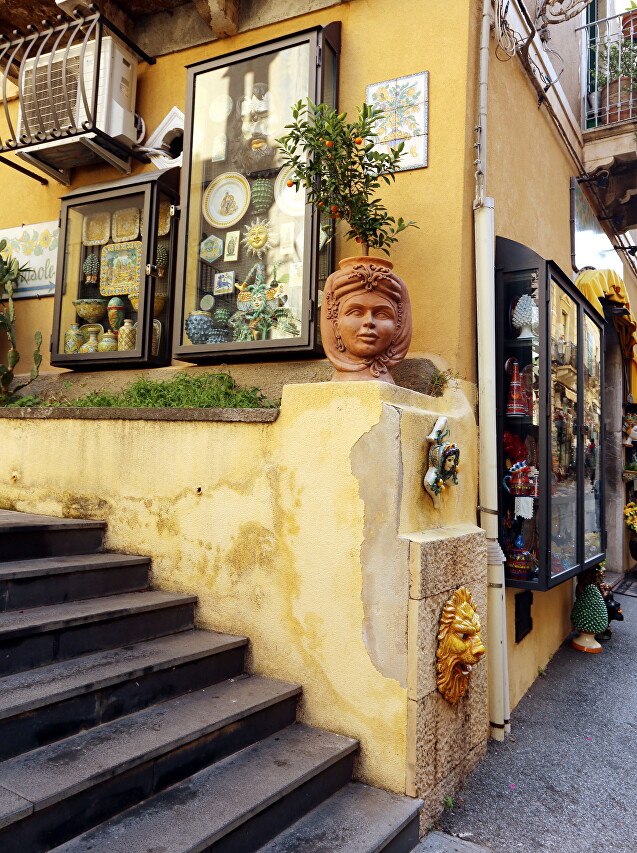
(162, 260)
(262, 195)
(91, 267)
(10, 273)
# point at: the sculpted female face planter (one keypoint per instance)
(365, 320)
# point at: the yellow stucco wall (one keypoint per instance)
(435, 261)
(298, 537)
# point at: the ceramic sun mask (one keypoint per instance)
(258, 237)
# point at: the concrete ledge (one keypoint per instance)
(112, 413)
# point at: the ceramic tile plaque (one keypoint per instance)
(35, 245)
(404, 102)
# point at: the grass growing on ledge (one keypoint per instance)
(203, 391)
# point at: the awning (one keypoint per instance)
(606, 284)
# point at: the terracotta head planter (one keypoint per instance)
(365, 320)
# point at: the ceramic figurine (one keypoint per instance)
(108, 343)
(516, 406)
(116, 311)
(92, 345)
(73, 339)
(162, 260)
(127, 337)
(199, 327)
(443, 462)
(91, 268)
(522, 318)
(365, 320)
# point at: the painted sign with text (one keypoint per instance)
(36, 246)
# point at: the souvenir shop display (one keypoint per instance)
(247, 237)
(549, 344)
(115, 272)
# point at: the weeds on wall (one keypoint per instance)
(203, 391)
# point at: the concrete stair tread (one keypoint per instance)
(356, 819)
(43, 566)
(34, 620)
(57, 682)
(48, 775)
(11, 521)
(194, 814)
(12, 807)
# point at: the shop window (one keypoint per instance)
(252, 257)
(113, 299)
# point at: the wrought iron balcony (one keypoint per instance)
(76, 85)
(610, 80)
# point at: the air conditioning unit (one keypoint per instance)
(56, 102)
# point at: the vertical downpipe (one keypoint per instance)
(484, 235)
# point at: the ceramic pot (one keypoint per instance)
(127, 337)
(520, 563)
(619, 100)
(158, 303)
(108, 343)
(629, 25)
(73, 339)
(116, 312)
(517, 482)
(91, 310)
(92, 345)
(219, 336)
(199, 327)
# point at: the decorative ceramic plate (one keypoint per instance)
(92, 327)
(163, 224)
(207, 302)
(125, 224)
(211, 248)
(120, 268)
(289, 199)
(96, 228)
(226, 200)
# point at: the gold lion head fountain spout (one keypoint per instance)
(460, 646)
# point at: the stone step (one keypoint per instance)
(42, 635)
(78, 782)
(236, 805)
(54, 580)
(53, 702)
(356, 819)
(24, 536)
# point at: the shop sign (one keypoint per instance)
(590, 245)
(35, 245)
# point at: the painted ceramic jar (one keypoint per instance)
(73, 339)
(518, 481)
(108, 343)
(116, 311)
(127, 337)
(519, 562)
(199, 327)
(92, 345)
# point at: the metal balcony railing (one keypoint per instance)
(610, 62)
(57, 73)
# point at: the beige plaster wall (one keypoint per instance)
(296, 534)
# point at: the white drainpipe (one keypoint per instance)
(484, 232)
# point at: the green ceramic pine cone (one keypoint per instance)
(589, 612)
(162, 258)
(262, 195)
(221, 317)
(91, 265)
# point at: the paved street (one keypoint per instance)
(567, 783)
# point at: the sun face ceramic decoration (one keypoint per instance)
(365, 320)
(444, 458)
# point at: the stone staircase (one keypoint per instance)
(123, 729)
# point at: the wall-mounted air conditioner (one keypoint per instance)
(52, 103)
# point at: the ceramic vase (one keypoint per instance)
(108, 343)
(73, 339)
(516, 406)
(116, 311)
(92, 345)
(199, 327)
(127, 337)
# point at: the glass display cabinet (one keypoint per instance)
(253, 259)
(113, 296)
(550, 446)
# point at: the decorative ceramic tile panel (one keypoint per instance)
(404, 103)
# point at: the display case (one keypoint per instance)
(114, 284)
(550, 442)
(253, 257)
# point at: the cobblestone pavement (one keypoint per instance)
(566, 780)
